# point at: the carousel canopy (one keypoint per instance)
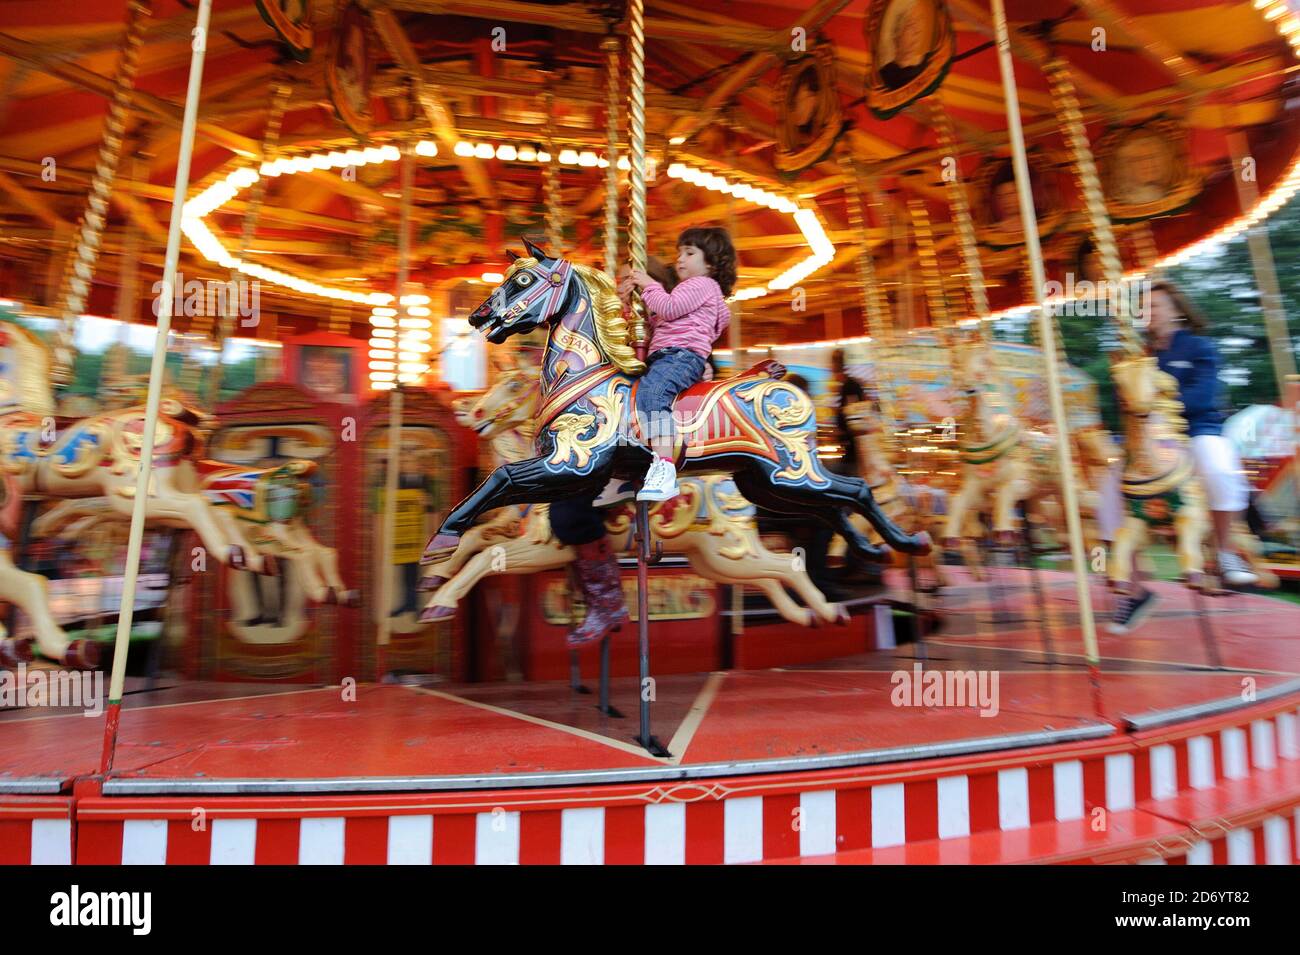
(755, 113)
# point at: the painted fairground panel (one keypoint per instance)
(996, 207)
(431, 480)
(910, 46)
(330, 366)
(1146, 169)
(811, 116)
(520, 631)
(276, 471)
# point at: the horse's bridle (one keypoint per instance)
(550, 287)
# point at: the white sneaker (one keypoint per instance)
(616, 492)
(660, 482)
(1236, 572)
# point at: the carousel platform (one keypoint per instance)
(1186, 749)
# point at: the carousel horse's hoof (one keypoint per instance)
(842, 616)
(14, 651)
(270, 566)
(812, 621)
(440, 548)
(430, 583)
(330, 597)
(924, 543)
(235, 557)
(350, 598)
(436, 612)
(81, 655)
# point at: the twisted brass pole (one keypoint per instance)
(221, 331)
(960, 206)
(610, 46)
(875, 308)
(1103, 234)
(636, 238)
(925, 251)
(554, 210)
(80, 271)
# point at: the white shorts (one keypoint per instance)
(1219, 469)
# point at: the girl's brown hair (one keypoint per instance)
(661, 272)
(1191, 315)
(718, 251)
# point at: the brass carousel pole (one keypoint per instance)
(554, 199)
(1261, 257)
(875, 307)
(637, 255)
(611, 47)
(929, 257)
(80, 271)
(221, 331)
(960, 205)
(135, 539)
(1047, 334)
(388, 532)
(636, 227)
(1270, 298)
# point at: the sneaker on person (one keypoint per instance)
(615, 492)
(1236, 572)
(1130, 613)
(660, 482)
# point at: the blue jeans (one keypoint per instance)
(669, 372)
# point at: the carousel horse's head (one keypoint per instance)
(508, 404)
(533, 293)
(1096, 447)
(1137, 383)
(863, 417)
(969, 355)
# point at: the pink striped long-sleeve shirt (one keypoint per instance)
(693, 315)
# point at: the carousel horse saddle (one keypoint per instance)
(695, 399)
(701, 410)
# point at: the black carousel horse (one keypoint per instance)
(760, 429)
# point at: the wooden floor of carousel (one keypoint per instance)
(1168, 760)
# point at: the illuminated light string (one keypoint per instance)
(399, 345)
(200, 234)
(1284, 21)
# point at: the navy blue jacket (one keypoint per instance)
(1194, 361)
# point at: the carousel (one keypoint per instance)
(330, 334)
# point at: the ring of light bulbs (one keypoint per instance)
(399, 345)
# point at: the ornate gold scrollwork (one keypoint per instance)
(568, 428)
(773, 418)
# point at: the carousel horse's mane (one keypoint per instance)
(29, 377)
(1168, 405)
(612, 330)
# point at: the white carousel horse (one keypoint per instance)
(46, 457)
(914, 507)
(1160, 485)
(996, 458)
(244, 501)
